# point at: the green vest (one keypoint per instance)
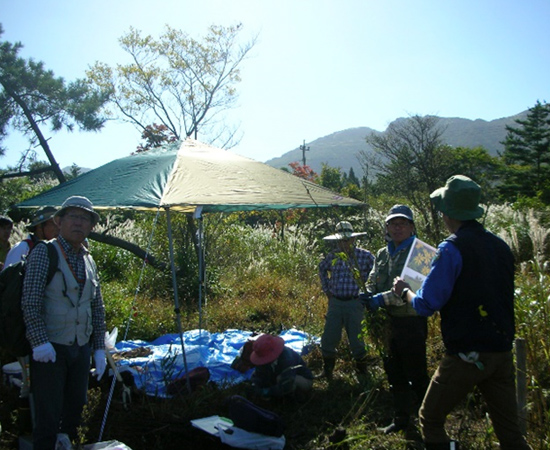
(385, 269)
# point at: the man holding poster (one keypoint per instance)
(471, 284)
(405, 361)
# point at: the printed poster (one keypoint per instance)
(418, 263)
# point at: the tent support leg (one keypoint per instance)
(202, 292)
(176, 300)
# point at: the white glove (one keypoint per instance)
(44, 353)
(110, 339)
(100, 363)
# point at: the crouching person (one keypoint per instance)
(65, 322)
(280, 371)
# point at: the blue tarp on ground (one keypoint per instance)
(215, 351)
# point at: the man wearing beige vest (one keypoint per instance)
(65, 322)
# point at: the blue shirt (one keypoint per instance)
(438, 285)
(337, 275)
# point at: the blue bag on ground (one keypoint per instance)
(250, 417)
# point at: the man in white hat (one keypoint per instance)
(342, 272)
(65, 322)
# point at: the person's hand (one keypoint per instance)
(398, 285)
(100, 363)
(392, 299)
(371, 302)
(44, 353)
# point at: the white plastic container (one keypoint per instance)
(12, 374)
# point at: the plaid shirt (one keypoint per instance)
(34, 287)
(336, 276)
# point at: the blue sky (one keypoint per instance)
(318, 67)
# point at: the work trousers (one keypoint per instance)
(406, 365)
(59, 390)
(452, 382)
(347, 314)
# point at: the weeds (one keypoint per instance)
(263, 282)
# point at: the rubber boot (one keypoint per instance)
(402, 407)
(328, 368)
(399, 423)
(361, 365)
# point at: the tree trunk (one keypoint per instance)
(132, 248)
(41, 139)
(26, 174)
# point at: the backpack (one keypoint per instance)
(250, 417)
(12, 324)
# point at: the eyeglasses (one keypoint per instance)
(400, 224)
(82, 218)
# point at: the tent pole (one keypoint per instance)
(201, 271)
(176, 301)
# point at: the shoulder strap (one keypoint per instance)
(54, 261)
(53, 257)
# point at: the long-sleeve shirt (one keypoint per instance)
(34, 287)
(438, 285)
(336, 275)
(278, 377)
(471, 283)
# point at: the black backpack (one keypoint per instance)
(12, 325)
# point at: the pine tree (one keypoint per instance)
(352, 178)
(32, 98)
(526, 156)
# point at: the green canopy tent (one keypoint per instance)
(194, 178)
(195, 175)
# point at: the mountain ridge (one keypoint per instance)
(340, 148)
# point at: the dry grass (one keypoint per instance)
(269, 289)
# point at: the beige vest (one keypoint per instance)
(68, 318)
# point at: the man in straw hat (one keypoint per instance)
(41, 228)
(65, 325)
(342, 273)
(280, 371)
(471, 284)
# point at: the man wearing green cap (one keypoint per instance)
(471, 284)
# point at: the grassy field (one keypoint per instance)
(260, 281)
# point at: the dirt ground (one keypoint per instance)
(148, 423)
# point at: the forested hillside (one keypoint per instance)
(340, 148)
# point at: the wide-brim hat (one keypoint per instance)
(76, 201)
(40, 216)
(266, 349)
(459, 198)
(344, 230)
(400, 211)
